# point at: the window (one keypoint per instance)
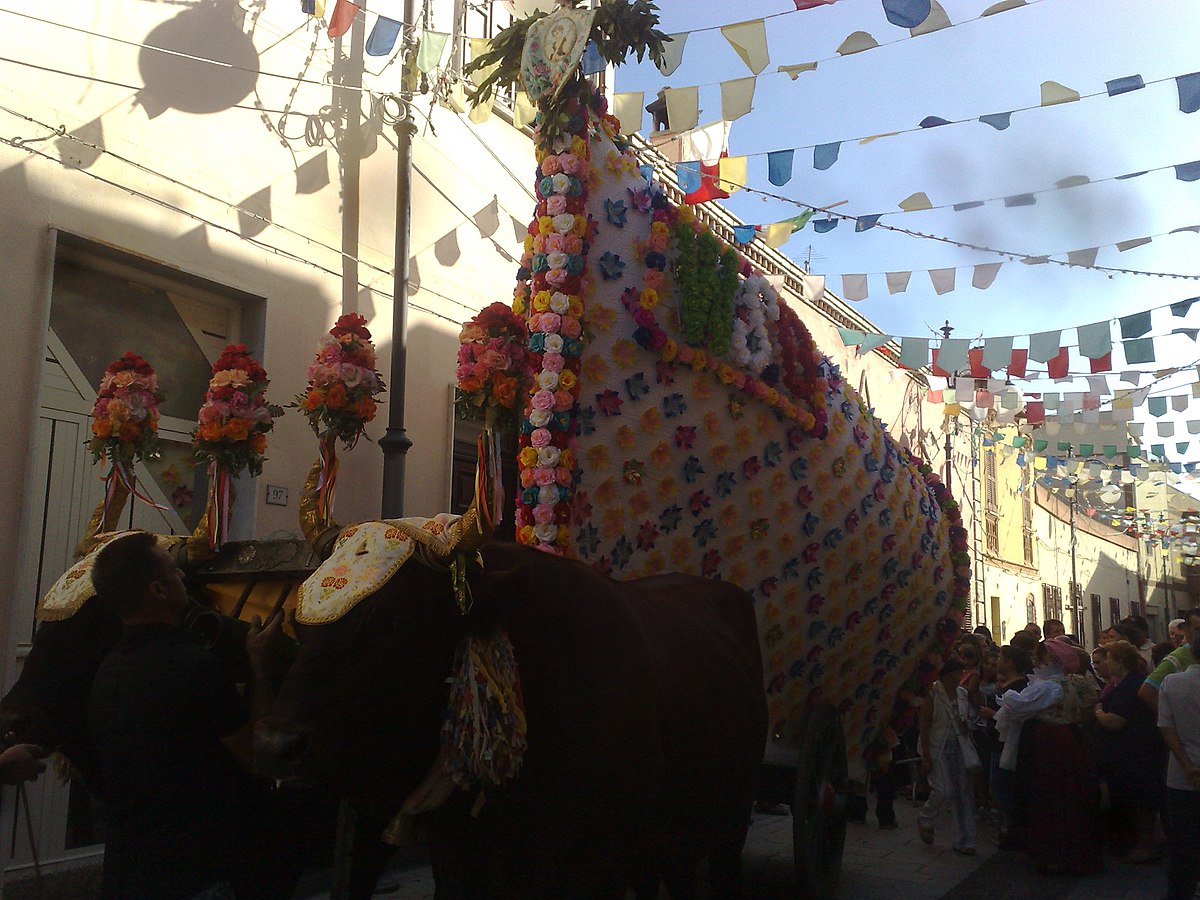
(989, 482)
(1027, 522)
(1051, 602)
(992, 528)
(1030, 608)
(1114, 610)
(1094, 602)
(1137, 608)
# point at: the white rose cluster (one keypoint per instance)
(750, 344)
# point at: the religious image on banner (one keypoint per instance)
(553, 48)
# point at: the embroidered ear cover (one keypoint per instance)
(365, 557)
(74, 587)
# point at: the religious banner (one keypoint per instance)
(553, 47)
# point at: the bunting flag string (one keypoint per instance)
(943, 281)
(1094, 343)
(1052, 94)
(867, 222)
(929, 17)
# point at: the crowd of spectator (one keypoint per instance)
(1079, 758)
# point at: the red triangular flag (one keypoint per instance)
(342, 18)
(1057, 367)
(978, 370)
(1035, 413)
(1102, 363)
(1016, 366)
(934, 368)
(710, 178)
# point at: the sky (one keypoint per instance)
(980, 66)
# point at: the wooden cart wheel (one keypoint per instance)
(819, 808)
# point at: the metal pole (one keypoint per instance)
(951, 381)
(395, 442)
(1075, 592)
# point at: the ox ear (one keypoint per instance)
(479, 522)
(495, 593)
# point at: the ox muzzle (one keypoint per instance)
(283, 750)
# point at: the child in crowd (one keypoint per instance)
(942, 727)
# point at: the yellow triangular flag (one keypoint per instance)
(793, 71)
(916, 201)
(628, 109)
(524, 111)
(480, 46)
(935, 21)
(731, 173)
(1002, 6)
(683, 108)
(876, 137)
(1054, 93)
(857, 43)
(737, 97)
(777, 235)
(749, 41)
(952, 409)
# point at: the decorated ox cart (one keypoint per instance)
(673, 414)
(669, 412)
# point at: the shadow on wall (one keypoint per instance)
(211, 30)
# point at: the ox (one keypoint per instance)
(646, 720)
(48, 706)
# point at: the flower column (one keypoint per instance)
(124, 429)
(231, 434)
(556, 256)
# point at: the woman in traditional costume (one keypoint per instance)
(1045, 723)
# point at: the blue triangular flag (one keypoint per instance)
(1188, 171)
(999, 121)
(383, 36)
(823, 226)
(970, 204)
(825, 155)
(1180, 308)
(1124, 85)
(932, 122)
(1131, 175)
(866, 223)
(743, 234)
(779, 167)
(592, 62)
(1136, 325)
(308, 7)
(906, 13)
(1020, 200)
(688, 174)
(1189, 92)
(647, 172)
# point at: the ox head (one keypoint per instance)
(362, 704)
(48, 703)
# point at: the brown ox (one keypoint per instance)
(645, 709)
(48, 706)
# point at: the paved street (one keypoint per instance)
(887, 865)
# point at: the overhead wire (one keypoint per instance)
(24, 144)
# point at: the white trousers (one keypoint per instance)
(950, 785)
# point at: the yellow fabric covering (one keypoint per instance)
(365, 557)
(74, 587)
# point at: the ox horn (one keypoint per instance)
(318, 531)
(478, 523)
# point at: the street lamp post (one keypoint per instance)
(395, 443)
(951, 381)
